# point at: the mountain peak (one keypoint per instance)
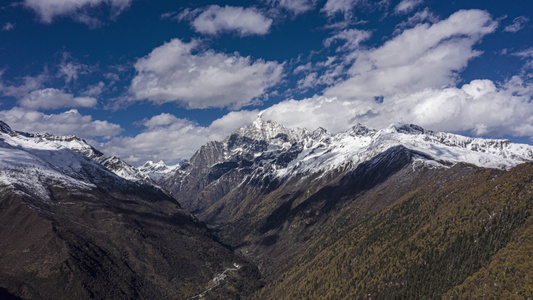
(5, 128)
(262, 129)
(407, 128)
(359, 130)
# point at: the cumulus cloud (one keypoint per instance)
(518, 24)
(406, 6)
(48, 10)
(169, 138)
(295, 6)
(51, 98)
(216, 19)
(426, 56)
(175, 72)
(161, 120)
(479, 107)
(67, 123)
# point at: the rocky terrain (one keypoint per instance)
(73, 229)
(273, 193)
(269, 213)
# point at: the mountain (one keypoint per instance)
(158, 169)
(73, 229)
(280, 196)
(50, 141)
(269, 154)
(270, 213)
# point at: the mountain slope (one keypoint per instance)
(50, 141)
(438, 241)
(72, 229)
(271, 192)
(268, 150)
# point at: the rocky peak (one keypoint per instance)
(320, 133)
(5, 128)
(407, 128)
(208, 155)
(360, 130)
(265, 130)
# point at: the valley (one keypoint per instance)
(270, 213)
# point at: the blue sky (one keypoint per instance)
(151, 80)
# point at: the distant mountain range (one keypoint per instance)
(396, 213)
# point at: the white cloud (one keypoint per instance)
(161, 120)
(422, 16)
(351, 37)
(479, 107)
(47, 10)
(346, 7)
(339, 6)
(94, 90)
(71, 70)
(29, 83)
(406, 6)
(426, 56)
(216, 19)
(8, 26)
(67, 123)
(172, 73)
(518, 24)
(51, 98)
(295, 6)
(527, 53)
(169, 138)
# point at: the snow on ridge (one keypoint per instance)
(323, 152)
(26, 169)
(40, 143)
(266, 130)
(158, 169)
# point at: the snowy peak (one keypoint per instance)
(46, 141)
(266, 130)
(272, 148)
(5, 128)
(157, 170)
(407, 128)
(360, 130)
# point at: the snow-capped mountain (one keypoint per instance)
(49, 141)
(265, 144)
(31, 162)
(270, 153)
(73, 229)
(158, 169)
(272, 192)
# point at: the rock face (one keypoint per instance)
(270, 191)
(73, 229)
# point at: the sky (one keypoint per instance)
(155, 80)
